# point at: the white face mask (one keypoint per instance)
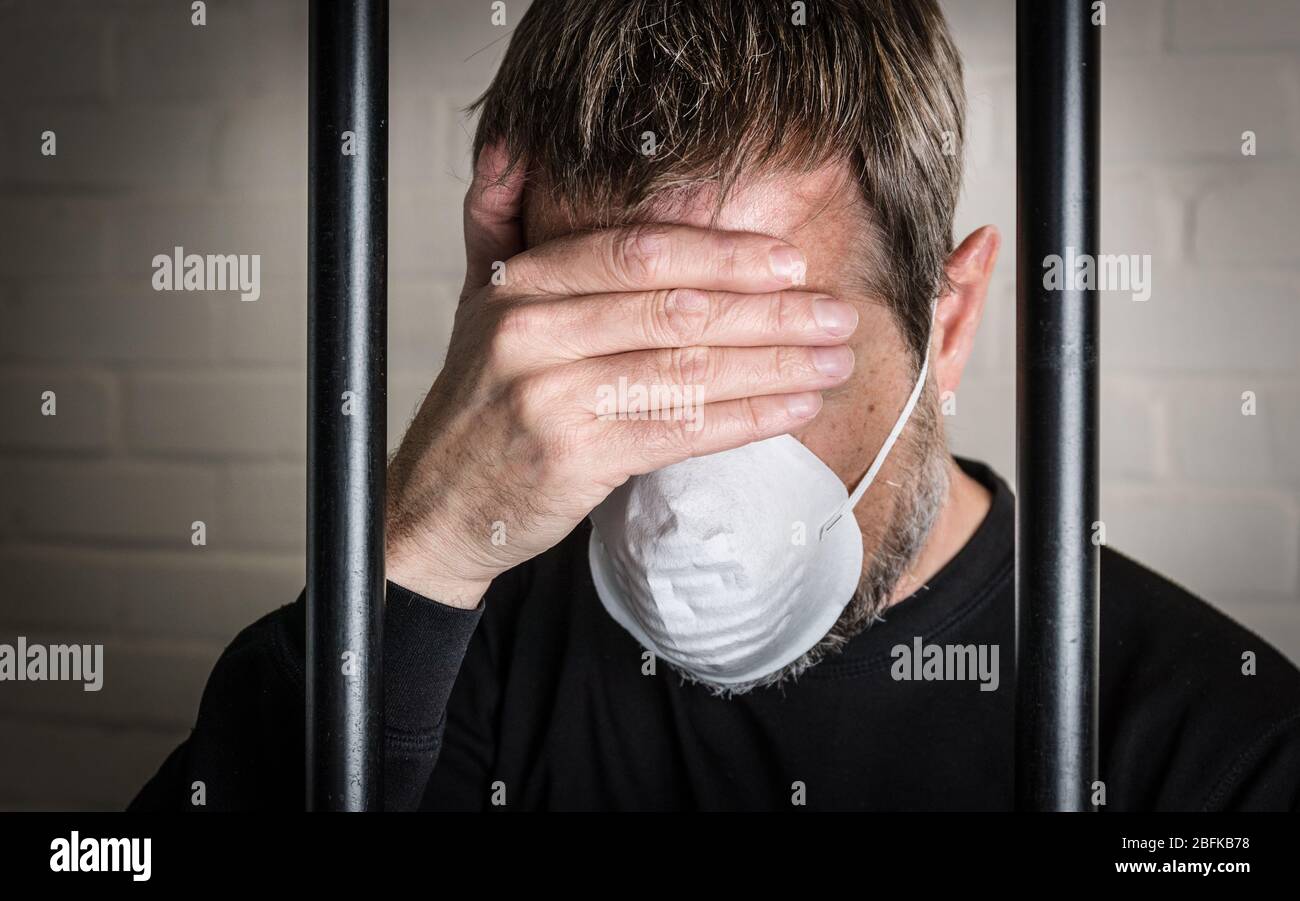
(734, 565)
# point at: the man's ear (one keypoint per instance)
(958, 315)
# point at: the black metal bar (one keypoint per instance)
(346, 400)
(1057, 562)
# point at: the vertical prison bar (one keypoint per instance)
(346, 400)
(1057, 563)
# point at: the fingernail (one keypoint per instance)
(788, 263)
(803, 406)
(834, 361)
(835, 317)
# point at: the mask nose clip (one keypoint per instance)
(829, 524)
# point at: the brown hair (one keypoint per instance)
(729, 86)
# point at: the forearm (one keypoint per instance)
(424, 645)
(247, 747)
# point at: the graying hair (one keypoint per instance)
(730, 87)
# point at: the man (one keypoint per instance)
(738, 228)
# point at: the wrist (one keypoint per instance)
(417, 573)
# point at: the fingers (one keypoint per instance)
(599, 324)
(493, 229)
(652, 257)
(706, 375)
(648, 445)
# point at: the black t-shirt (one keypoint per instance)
(554, 708)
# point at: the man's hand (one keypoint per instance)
(507, 452)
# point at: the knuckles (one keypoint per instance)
(688, 365)
(787, 313)
(791, 364)
(635, 255)
(669, 439)
(510, 329)
(750, 424)
(728, 254)
(526, 398)
(679, 317)
(530, 404)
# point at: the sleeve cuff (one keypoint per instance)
(424, 645)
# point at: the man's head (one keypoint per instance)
(841, 133)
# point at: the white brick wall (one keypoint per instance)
(181, 407)
(1191, 486)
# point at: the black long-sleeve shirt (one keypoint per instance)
(539, 700)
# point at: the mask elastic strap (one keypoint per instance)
(885, 448)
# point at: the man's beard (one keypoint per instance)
(922, 458)
(917, 504)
